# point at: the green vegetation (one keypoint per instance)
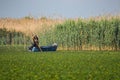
(102, 33)
(99, 33)
(12, 37)
(86, 34)
(19, 64)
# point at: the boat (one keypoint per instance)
(52, 47)
(48, 48)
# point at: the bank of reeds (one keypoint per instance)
(99, 33)
(13, 37)
(28, 25)
(19, 31)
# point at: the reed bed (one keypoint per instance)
(95, 33)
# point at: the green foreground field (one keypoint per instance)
(18, 64)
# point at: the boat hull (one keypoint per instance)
(48, 48)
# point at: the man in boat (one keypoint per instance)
(35, 43)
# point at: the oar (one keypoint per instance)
(40, 49)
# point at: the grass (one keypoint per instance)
(28, 25)
(18, 64)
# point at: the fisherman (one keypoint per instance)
(35, 43)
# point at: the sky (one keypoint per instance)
(58, 8)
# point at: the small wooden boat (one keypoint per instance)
(48, 48)
(52, 47)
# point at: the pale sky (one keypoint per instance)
(58, 8)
